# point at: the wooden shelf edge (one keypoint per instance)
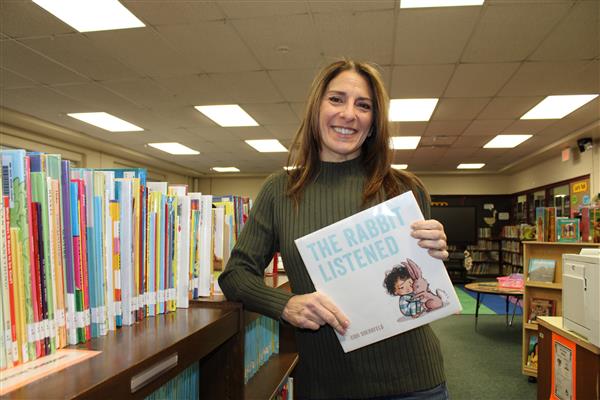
(264, 384)
(530, 371)
(562, 243)
(530, 326)
(544, 285)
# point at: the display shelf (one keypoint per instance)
(269, 378)
(543, 290)
(192, 334)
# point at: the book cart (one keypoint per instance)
(137, 360)
(542, 290)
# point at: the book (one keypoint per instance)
(540, 308)
(567, 230)
(541, 270)
(375, 272)
(532, 351)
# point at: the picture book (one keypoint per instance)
(375, 272)
(532, 351)
(540, 308)
(541, 270)
(567, 229)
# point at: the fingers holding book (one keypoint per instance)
(313, 310)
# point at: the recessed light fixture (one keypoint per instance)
(106, 121)
(228, 115)
(506, 141)
(399, 166)
(267, 145)
(411, 109)
(556, 107)
(90, 16)
(225, 169)
(174, 148)
(438, 3)
(470, 166)
(404, 142)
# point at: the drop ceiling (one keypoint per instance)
(488, 65)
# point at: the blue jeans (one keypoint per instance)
(439, 392)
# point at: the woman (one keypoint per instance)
(342, 158)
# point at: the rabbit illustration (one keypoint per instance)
(431, 300)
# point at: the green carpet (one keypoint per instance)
(468, 304)
(483, 364)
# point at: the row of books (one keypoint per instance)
(261, 342)
(183, 386)
(85, 251)
(520, 231)
(551, 228)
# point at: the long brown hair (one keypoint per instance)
(376, 154)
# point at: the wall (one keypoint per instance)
(249, 186)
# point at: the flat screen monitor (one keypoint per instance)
(460, 223)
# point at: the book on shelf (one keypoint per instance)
(567, 229)
(532, 351)
(375, 272)
(539, 307)
(541, 270)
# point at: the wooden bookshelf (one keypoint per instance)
(544, 290)
(197, 334)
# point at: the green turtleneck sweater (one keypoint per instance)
(408, 362)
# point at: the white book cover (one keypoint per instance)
(376, 273)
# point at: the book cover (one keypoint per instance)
(532, 351)
(567, 230)
(541, 270)
(541, 308)
(374, 271)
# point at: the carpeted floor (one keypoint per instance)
(483, 364)
(490, 304)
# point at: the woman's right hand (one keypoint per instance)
(313, 310)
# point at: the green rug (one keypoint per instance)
(468, 304)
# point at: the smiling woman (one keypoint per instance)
(342, 161)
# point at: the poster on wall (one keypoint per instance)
(563, 368)
(580, 195)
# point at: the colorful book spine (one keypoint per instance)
(67, 235)
(77, 262)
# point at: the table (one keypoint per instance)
(493, 288)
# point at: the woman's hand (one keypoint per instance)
(431, 237)
(313, 310)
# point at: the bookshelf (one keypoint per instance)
(266, 382)
(198, 334)
(542, 290)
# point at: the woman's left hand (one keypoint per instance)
(431, 236)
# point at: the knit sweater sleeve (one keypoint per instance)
(243, 279)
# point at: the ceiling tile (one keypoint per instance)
(511, 32)
(446, 127)
(438, 140)
(163, 12)
(212, 46)
(19, 58)
(356, 35)
(433, 35)
(336, 6)
(78, 53)
(20, 19)
(458, 108)
(248, 87)
(287, 131)
(487, 126)
(11, 80)
(547, 78)
(508, 107)
(296, 32)
(575, 37)
(293, 84)
(422, 81)
(272, 113)
(197, 89)
(407, 128)
(479, 80)
(528, 126)
(260, 8)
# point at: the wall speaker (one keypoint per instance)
(584, 144)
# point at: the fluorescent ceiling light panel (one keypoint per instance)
(290, 167)
(438, 3)
(411, 109)
(89, 16)
(267, 145)
(174, 148)
(556, 107)
(506, 141)
(470, 166)
(106, 121)
(228, 115)
(399, 166)
(225, 169)
(405, 142)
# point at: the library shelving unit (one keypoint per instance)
(512, 255)
(269, 378)
(545, 290)
(486, 258)
(152, 351)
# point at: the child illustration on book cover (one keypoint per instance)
(406, 281)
